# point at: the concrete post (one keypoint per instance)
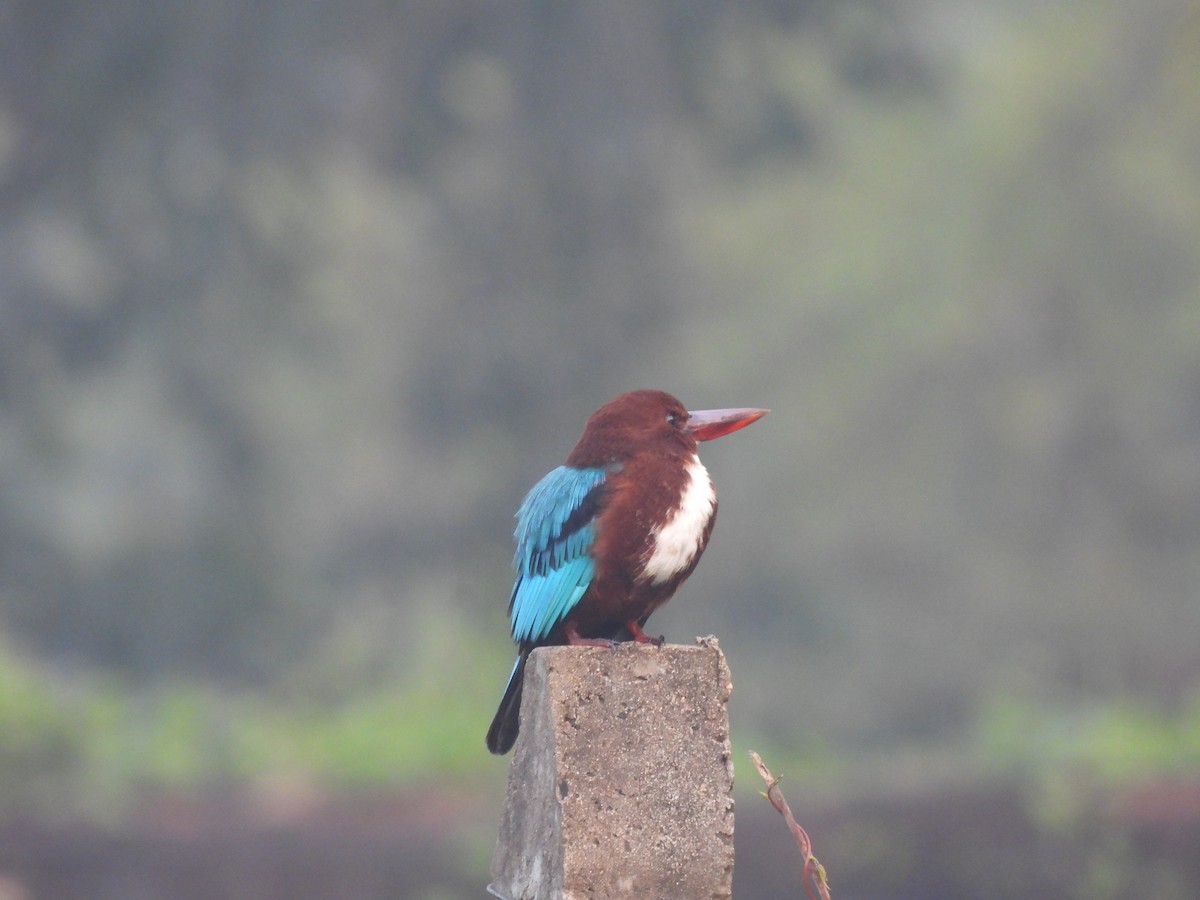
(620, 784)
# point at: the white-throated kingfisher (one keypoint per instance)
(604, 541)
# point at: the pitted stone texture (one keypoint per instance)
(621, 782)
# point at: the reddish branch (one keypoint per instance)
(815, 883)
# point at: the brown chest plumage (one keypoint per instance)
(654, 525)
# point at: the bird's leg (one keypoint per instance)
(640, 636)
(576, 640)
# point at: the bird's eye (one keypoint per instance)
(675, 419)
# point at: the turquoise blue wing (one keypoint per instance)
(556, 528)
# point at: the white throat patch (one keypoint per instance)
(676, 543)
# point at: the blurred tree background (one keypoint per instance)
(297, 299)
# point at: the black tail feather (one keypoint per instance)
(503, 732)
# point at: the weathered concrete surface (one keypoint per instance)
(621, 778)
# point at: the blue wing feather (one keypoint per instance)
(555, 533)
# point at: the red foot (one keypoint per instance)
(576, 640)
(640, 636)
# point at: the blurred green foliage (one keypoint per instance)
(298, 302)
(1119, 742)
(95, 749)
(39, 739)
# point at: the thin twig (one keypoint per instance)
(816, 886)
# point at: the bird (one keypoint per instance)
(605, 539)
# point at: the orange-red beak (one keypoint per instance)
(706, 424)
